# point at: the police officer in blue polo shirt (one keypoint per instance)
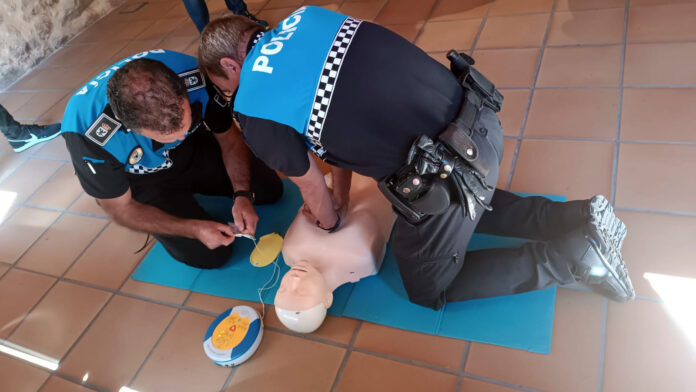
(149, 132)
(364, 99)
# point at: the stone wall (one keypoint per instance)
(32, 29)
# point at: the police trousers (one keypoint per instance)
(432, 256)
(205, 174)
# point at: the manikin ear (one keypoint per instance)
(229, 65)
(328, 300)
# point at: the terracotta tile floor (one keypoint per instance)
(599, 97)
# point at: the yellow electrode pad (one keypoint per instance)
(267, 250)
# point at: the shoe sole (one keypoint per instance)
(609, 233)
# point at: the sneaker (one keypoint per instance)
(252, 17)
(23, 136)
(31, 135)
(595, 250)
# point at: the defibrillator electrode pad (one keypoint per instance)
(266, 250)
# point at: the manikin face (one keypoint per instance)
(301, 288)
(179, 134)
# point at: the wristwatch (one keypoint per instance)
(248, 194)
(335, 226)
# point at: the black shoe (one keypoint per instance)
(595, 251)
(252, 17)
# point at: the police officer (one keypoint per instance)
(364, 99)
(149, 132)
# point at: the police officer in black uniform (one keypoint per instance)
(149, 132)
(364, 99)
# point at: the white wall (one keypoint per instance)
(32, 29)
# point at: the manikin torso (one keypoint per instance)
(321, 261)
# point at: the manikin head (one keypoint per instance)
(302, 298)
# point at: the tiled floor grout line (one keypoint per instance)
(614, 180)
(38, 158)
(602, 343)
(462, 366)
(346, 357)
(591, 139)
(44, 383)
(13, 171)
(550, 46)
(87, 328)
(407, 361)
(154, 347)
(420, 31)
(615, 161)
(382, 10)
(45, 183)
(501, 383)
(651, 211)
(480, 29)
(14, 265)
(79, 382)
(228, 380)
(658, 142)
(58, 279)
(85, 214)
(9, 267)
(518, 145)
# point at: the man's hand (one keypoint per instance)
(213, 234)
(244, 215)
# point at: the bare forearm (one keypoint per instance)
(316, 194)
(142, 217)
(235, 156)
(341, 181)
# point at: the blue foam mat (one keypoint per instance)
(522, 321)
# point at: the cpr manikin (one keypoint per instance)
(322, 261)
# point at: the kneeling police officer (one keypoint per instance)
(364, 99)
(149, 132)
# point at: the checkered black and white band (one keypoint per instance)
(257, 37)
(140, 169)
(327, 82)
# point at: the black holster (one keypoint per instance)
(420, 188)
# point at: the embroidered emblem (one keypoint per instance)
(102, 129)
(193, 80)
(135, 156)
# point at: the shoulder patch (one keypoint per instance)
(102, 129)
(135, 156)
(193, 79)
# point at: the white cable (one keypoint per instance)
(274, 278)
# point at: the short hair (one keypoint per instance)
(225, 37)
(145, 93)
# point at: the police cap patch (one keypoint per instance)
(102, 129)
